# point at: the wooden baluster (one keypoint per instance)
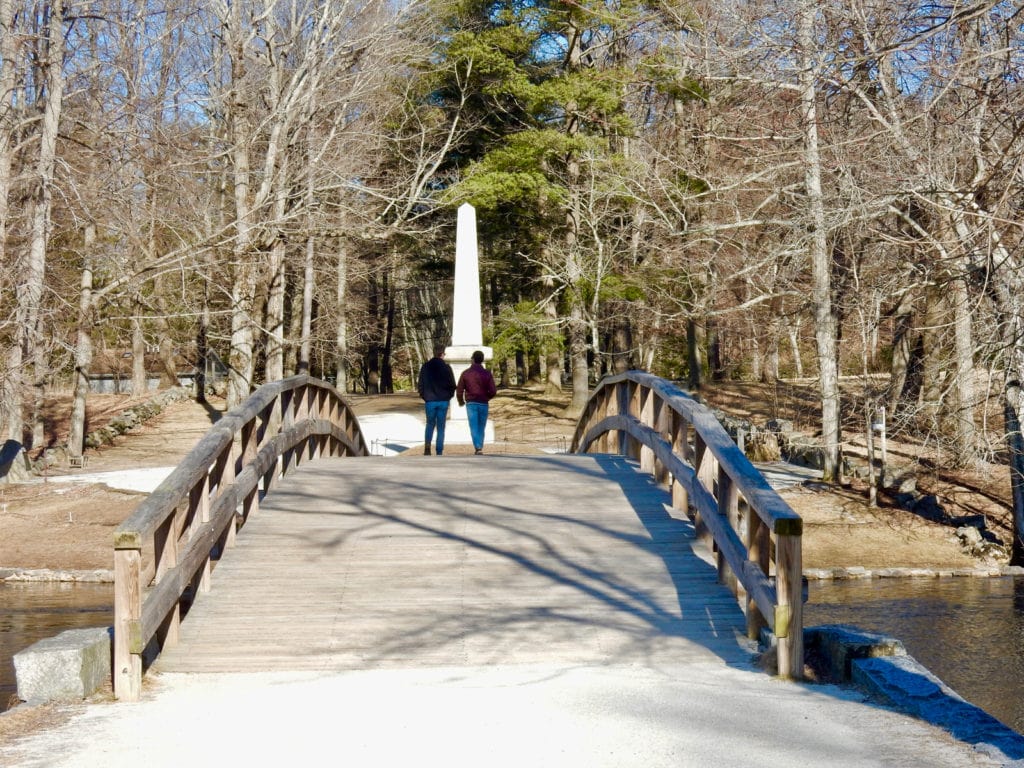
(680, 446)
(199, 504)
(128, 623)
(335, 417)
(251, 502)
(758, 544)
(728, 505)
(633, 408)
(597, 411)
(301, 414)
(789, 610)
(612, 406)
(348, 423)
(316, 412)
(706, 466)
(225, 477)
(661, 426)
(647, 418)
(166, 541)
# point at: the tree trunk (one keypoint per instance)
(1013, 404)
(387, 381)
(965, 428)
(552, 357)
(27, 356)
(714, 342)
(83, 351)
(10, 401)
(694, 367)
(203, 348)
(622, 345)
(243, 288)
(794, 344)
(306, 347)
(576, 328)
(934, 361)
(8, 51)
(165, 347)
(825, 324)
(341, 329)
(1005, 287)
(139, 378)
(902, 349)
(275, 312)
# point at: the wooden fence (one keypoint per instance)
(164, 552)
(755, 534)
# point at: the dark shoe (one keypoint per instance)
(426, 450)
(478, 451)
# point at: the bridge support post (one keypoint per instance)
(789, 609)
(127, 624)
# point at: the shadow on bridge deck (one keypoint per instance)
(507, 610)
(357, 564)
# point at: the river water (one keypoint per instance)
(969, 632)
(33, 611)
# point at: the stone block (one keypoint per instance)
(780, 425)
(14, 464)
(836, 646)
(914, 689)
(73, 665)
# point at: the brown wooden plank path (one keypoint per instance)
(465, 561)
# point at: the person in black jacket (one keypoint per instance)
(436, 386)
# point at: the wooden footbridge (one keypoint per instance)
(279, 544)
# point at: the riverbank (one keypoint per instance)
(843, 539)
(60, 526)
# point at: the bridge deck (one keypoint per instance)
(500, 611)
(460, 561)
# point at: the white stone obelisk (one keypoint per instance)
(467, 326)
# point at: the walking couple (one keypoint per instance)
(474, 390)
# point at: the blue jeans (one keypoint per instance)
(477, 415)
(437, 412)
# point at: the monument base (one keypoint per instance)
(456, 432)
(395, 433)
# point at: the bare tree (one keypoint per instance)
(26, 357)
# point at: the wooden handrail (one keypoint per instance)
(755, 534)
(165, 549)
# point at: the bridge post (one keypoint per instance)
(756, 538)
(633, 407)
(251, 502)
(706, 466)
(647, 412)
(661, 473)
(127, 677)
(165, 554)
(613, 407)
(679, 429)
(728, 504)
(789, 609)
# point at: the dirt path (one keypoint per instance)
(56, 525)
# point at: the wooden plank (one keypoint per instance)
(355, 563)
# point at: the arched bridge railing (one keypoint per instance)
(164, 551)
(755, 534)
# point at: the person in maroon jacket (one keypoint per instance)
(475, 390)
